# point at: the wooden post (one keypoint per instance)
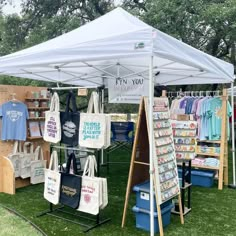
(132, 162)
(223, 138)
(181, 210)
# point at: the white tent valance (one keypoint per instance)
(115, 45)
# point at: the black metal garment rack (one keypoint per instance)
(60, 211)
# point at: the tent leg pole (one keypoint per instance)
(102, 111)
(150, 124)
(233, 185)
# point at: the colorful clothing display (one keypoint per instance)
(14, 115)
(207, 111)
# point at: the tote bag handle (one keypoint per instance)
(53, 165)
(55, 102)
(93, 103)
(26, 144)
(90, 166)
(15, 147)
(71, 98)
(70, 159)
(38, 154)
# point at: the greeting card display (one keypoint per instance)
(166, 174)
(184, 133)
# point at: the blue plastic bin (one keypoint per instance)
(143, 218)
(201, 177)
(143, 196)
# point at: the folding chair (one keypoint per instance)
(122, 137)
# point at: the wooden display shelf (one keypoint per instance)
(37, 99)
(205, 167)
(34, 138)
(209, 141)
(8, 182)
(36, 118)
(38, 108)
(208, 154)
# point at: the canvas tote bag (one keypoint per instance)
(52, 129)
(70, 122)
(52, 180)
(26, 159)
(103, 198)
(37, 167)
(15, 157)
(91, 192)
(93, 132)
(70, 184)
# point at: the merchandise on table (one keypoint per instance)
(207, 149)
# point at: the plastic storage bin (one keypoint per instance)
(201, 177)
(143, 218)
(143, 196)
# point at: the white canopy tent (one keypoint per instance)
(117, 45)
(85, 55)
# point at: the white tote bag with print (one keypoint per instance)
(93, 190)
(52, 181)
(15, 157)
(52, 129)
(26, 159)
(37, 167)
(93, 132)
(90, 191)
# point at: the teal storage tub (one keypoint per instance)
(143, 218)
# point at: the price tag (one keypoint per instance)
(82, 92)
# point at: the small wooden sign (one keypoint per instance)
(82, 92)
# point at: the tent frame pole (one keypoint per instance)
(233, 185)
(150, 124)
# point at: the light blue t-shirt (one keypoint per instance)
(216, 118)
(14, 115)
(204, 119)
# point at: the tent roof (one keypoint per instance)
(116, 45)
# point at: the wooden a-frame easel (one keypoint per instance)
(139, 166)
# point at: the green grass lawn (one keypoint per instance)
(213, 211)
(11, 225)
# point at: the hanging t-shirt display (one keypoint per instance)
(14, 115)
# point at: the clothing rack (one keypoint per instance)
(60, 209)
(222, 169)
(193, 93)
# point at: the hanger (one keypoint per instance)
(13, 98)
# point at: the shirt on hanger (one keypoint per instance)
(14, 115)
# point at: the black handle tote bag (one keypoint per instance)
(70, 184)
(70, 121)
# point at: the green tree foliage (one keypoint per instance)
(209, 25)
